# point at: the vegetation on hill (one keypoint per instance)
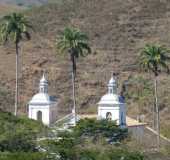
(100, 128)
(18, 133)
(18, 137)
(91, 140)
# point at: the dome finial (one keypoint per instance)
(112, 85)
(43, 79)
(43, 84)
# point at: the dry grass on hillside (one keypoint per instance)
(117, 31)
(8, 8)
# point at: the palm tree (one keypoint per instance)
(154, 58)
(75, 44)
(14, 27)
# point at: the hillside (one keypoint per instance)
(9, 8)
(23, 2)
(117, 31)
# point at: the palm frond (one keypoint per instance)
(73, 42)
(14, 27)
(154, 58)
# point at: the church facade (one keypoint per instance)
(112, 106)
(43, 107)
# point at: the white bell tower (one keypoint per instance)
(112, 106)
(43, 107)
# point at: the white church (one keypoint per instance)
(43, 107)
(111, 106)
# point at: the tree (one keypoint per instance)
(14, 27)
(154, 58)
(75, 43)
(100, 128)
(91, 139)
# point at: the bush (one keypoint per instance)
(96, 128)
(22, 156)
(18, 134)
(17, 143)
(77, 144)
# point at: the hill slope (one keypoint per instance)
(8, 8)
(117, 31)
(24, 2)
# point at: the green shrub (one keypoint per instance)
(96, 128)
(22, 156)
(18, 134)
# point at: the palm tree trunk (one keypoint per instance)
(74, 99)
(16, 80)
(73, 89)
(154, 117)
(157, 115)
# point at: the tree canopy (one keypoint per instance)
(154, 58)
(14, 27)
(75, 43)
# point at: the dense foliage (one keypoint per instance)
(104, 128)
(89, 141)
(18, 134)
(22, 156)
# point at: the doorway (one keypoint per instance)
(109, 116)
(39, 116)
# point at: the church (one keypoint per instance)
(43, 107)
(111, 106)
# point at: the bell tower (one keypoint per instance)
(112, 105)
(42, 106)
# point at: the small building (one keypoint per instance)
(112, 106)
(43, 107)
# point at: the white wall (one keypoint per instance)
(33, 110)
(49, 113)
(114, 110)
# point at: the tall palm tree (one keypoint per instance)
(75, 44)
(154, 58)
(14, 27)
